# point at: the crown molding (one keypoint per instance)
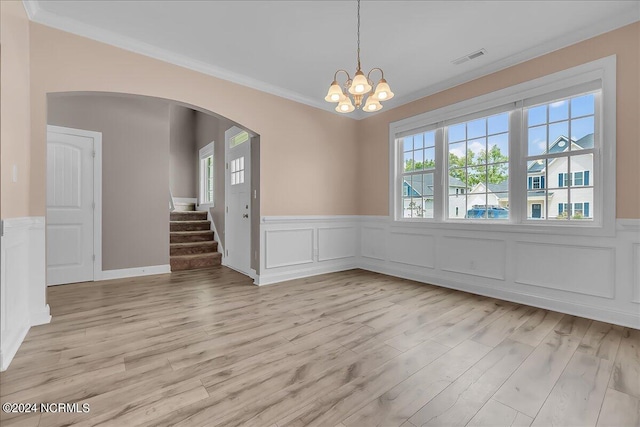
(41, 16)
(31, 7)
(586, 33)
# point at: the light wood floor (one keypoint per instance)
(346, 349)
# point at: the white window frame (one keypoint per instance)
(431, 171)
(203, 154)
(602, 71)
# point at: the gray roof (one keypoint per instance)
(502, 187)
(585, 142)
(455, 182)
(424, 184)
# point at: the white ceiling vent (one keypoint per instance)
(470, 56)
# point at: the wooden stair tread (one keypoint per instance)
(195, 221)
(191, 232)
(194, 256)
(189, 244)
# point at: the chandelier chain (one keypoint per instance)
(358, 35)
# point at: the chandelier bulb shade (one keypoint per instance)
(360, 85)
(358, 89)
(335, 92)
(372, 105)
(383, 91)
(345, 105)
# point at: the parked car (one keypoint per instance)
(481, 211)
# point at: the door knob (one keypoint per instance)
(245, 216)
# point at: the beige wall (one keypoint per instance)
(183, 155)
(373, 132)
(15, 129)
(135, 172)
(333, 164)
(306, 152)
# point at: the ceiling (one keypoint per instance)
(292, 48)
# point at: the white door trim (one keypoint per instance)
(97, 191)
(229, 133)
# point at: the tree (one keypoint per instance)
(411, 165)
(497, 167)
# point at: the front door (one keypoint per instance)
(238, 199)
(536, 210)
(70, 206)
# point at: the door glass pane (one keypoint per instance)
(238, 139)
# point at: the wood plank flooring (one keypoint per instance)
(207, 348)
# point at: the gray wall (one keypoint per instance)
(210, 128)
(183, 154)
(135, 172)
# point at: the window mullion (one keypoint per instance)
(517, 166)
(439, 191)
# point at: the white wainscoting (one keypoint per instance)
(582, 269)
(295, 247)
(473, 256)
(594, 277)
(22, 283)
(286, 248)
(635, 261)
(413, 249)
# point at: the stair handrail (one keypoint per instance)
(172, 205)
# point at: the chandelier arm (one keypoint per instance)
(373, 69)
(335, 76)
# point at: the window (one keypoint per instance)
(536, 182)
(478, 160)
(237, 171)
(419, 163)
(575, 179)
(574, 210)
(561, 138)
(528, 154)
(206, 175)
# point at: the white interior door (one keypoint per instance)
(238, 199)
(70, 206)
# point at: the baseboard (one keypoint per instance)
(588, 311)
(272, 278)
(42, 317)
(10, 346)
(134, 272)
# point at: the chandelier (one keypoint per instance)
(355, 90)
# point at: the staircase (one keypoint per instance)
(191, 241)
